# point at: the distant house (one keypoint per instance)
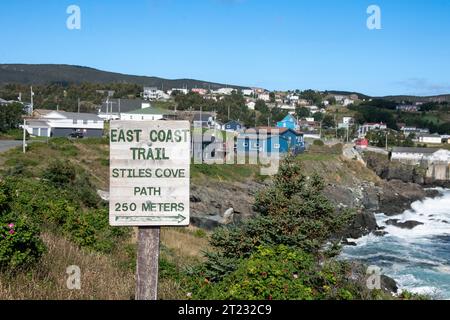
(63, 124)
(233, 125)
(204, 120)
(268, 140)
(248, 92)
(413, 130)
(362, 143)
(346, 123)
(153, 93)
(308, 124)
(430, 138)
(146, 114)
(199, 91)
(225, 91)
(111, 109)
(408, 108)
(251, 105)
(418, 155)
(288, 122)
(264, 97)
(365, 128)
(346, 102)
(180, 90)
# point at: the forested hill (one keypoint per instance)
(43, 74)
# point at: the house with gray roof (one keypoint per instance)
(111, 109)
(63, 124)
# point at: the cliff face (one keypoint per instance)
(436, 174)
(349, 185)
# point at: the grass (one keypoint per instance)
(224, 172)
(101, 277)
(104, 276)
(13, 134)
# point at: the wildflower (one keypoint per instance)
(11, 225)
(11, 232)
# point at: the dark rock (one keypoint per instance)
(397, 196)
(195, 199)
(432, 193)
(345, 242)
(380, 233)
(404, 225)
(388, 284)
(210, 222)
(363, 224)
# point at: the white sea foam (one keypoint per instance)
(433, 213)
(416, 258)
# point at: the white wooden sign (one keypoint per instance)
(149, 173)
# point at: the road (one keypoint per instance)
(350, 153)
(6, 145)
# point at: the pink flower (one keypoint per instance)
(11, 225)
(11, 232)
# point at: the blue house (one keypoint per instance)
(267, 140)
(233, 125)
(288, 122)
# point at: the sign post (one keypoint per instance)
(149, 187)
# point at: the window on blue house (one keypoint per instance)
(276, 146)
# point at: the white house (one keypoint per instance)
(143, 114)
(365, 128)
(152, 93)
(418, 155)
(430, 138)
(225, 91)
(264, 96)
(182, 90)
(248, 92)
(346, 102)
(346, 122)
(251, 105)
(63, 124)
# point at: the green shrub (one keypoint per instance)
(60, 173)
(293, 212)
(45, 204)
(104, 162)
(280, 273)
(20, 245)
(318, 143)
(91, 229)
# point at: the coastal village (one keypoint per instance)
(323, 117)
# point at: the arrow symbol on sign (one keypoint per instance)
(179, 218)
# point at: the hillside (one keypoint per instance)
(42, 74)
(400, 98)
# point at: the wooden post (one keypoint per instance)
(147, 263)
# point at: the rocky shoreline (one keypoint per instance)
(389, 197)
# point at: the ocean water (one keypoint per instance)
(418, 259)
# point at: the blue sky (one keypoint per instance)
(284, 44)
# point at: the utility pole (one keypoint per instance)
(348, 128)
(228, 112)
(24, 136)
(387, 132)
(78, 105)
(32, 100)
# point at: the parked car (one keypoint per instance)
(76, 135)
